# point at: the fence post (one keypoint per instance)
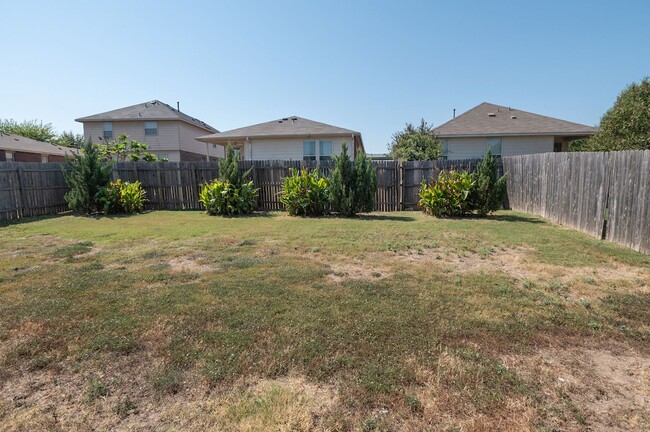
(402, 186)
(24, 207)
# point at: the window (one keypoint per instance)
(45, 158)
(445, 148)
(494, 144)
(108, 130)
(162, 156)
(9, 156)
(325, 150)
(309, 150)
(151, 128)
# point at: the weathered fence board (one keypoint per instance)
(583, 190)
(628, 220)
(30, 189)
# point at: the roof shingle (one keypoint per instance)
(490, 119)
(154, 110)
(21, 144)
(282, 128)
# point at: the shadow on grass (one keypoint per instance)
(22, 220)
(515, 218)
(383, 217)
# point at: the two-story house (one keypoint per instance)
(168, 132)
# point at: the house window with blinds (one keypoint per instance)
(151, 128)
(107, 130)
(325, 150)
(309, 150)
(494, 144)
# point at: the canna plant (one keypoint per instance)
(449, 196)
(305, 193)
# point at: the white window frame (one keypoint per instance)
(105, 130)
(150, 128)
(320, 148)
(308, 157)
(10, 156)
(490, 145)
(45, 158)
(444, 148)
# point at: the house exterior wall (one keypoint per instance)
(174, 139)
(3, 156)
(474, 147)
(289, 148)
(27, 157)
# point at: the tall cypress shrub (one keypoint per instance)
(88, 174)
(229, 168)
(353, 184)
(490, 189)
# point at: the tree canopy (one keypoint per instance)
(33, 129)
(415, 143)
(626, 125)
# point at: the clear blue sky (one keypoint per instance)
(364, 65)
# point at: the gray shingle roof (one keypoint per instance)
(154, 110)
(282, 128)
(490, 119)
(17, 143)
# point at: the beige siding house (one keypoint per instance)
(288, 138)
(507, 131)
(169, 133)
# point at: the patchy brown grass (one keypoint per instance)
(386, 322)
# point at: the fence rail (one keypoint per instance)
(34, 189)
(596, 193)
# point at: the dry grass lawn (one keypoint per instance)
(397, 321)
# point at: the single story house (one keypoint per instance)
(288, 138)
(507, 131)
(15, 148)
(168, 132)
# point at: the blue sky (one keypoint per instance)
(365, 65)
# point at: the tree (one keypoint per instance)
(626, 126)
(33, 129)
(229, 168)
(87, 176)
(490, 189)
(124, 149)
(69, 139)
(353, 184)
(415, 143)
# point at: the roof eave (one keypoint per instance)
(478, 135)
(218, 138)
(89, 119)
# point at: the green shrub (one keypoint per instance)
(487, 196)
(448, 196)
(305, 193)
(224, 198)
(353, 184)
(229, 168)
(87, 175)
(121, 197)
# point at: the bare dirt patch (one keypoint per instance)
(189, 265)
(591, 388)
(521, 264)
(357, 269)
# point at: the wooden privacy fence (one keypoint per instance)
(597, 193)
(33, 189)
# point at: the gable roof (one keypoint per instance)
(489, 119)
(286, 127)
(153, 110)
(17, 143)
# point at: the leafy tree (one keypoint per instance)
(87, 176)
(69, 139)
(33, 129)
(353, 184)
(415, 143)
(626, 126)
(229, 168)
(488, 194)
(124, 149)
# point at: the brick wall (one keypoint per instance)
(27, 157)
